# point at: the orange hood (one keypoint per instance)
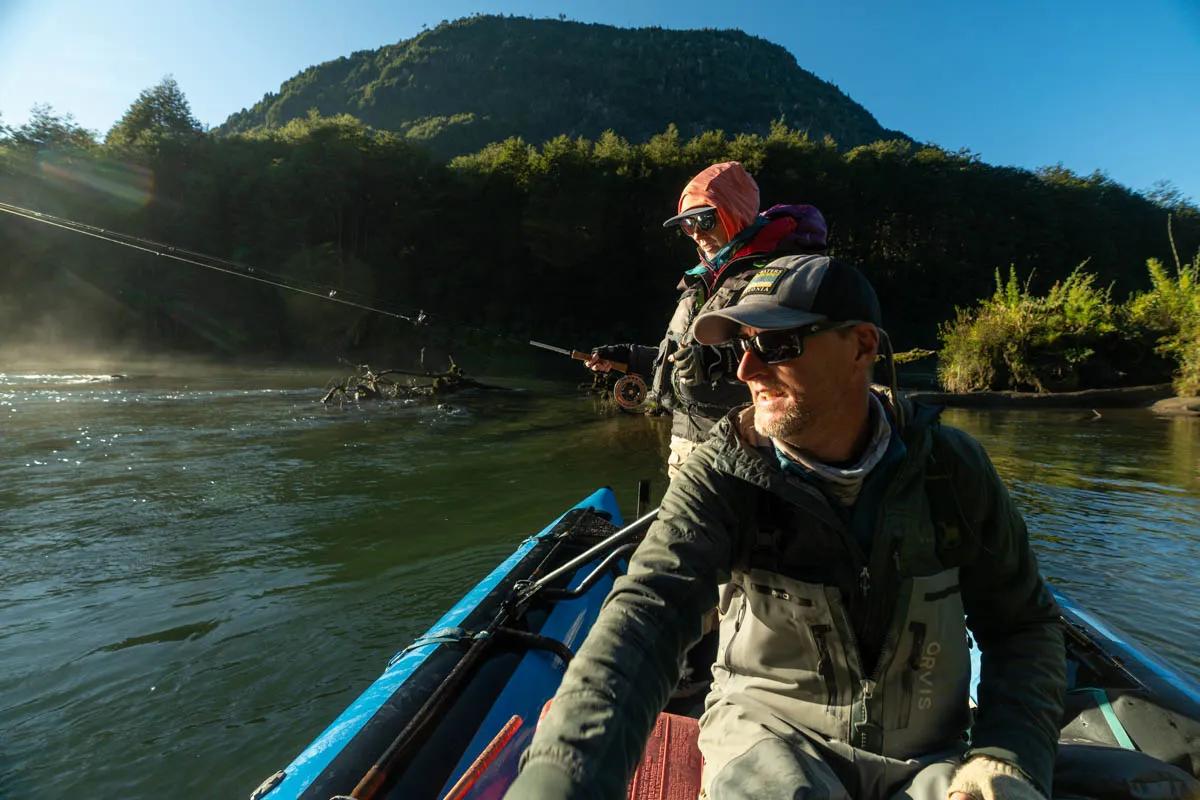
(729, 188)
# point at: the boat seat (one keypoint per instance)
(1102, 772)
(1130, 719)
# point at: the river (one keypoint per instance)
(200, 570)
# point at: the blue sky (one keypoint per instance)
(1095, 85)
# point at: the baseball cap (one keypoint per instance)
(793, 291)
(726, 188)
(691, 212)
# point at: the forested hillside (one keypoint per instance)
(562, 241)
(466, 83)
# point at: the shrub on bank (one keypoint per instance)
(1017, 340)
(1187, 384)
(1171, 310)
(1075, 337)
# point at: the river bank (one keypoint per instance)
(1159, 399)
(1122, 397)
(1177, 407)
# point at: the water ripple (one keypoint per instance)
(180, 633)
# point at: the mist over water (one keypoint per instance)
(202, 569)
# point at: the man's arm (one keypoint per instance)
(639, 357)
(1016, 622)
(642, 358)
(592, 739)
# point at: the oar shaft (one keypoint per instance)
(635, 527)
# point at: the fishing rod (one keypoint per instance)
(629, 392)
(203, 260)
(579, 355)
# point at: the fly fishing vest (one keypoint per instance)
(870, 649)
(697, 407)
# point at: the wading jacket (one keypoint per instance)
(779, 231)
(867, 648)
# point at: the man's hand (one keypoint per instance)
(603, 358)
(984, 778)
(598, 364)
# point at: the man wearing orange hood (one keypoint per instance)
(718, 210)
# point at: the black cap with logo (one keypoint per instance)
(791, 292)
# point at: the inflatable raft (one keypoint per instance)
(453, 711)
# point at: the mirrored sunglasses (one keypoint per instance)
(701, 222)
(775, 347)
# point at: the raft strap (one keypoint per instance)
(440, 636)
(1110, 716)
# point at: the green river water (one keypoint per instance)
(199, 573)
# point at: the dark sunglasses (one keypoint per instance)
(701, 222)
(775, 347)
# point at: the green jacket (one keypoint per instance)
(875, 629)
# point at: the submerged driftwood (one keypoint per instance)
(367, 384)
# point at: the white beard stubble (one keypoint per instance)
(796, 419)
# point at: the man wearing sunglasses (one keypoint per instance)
(718, 210)
(849, 541)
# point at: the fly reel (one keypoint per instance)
(630, 392)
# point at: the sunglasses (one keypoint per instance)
(775, 347)
(701, 222)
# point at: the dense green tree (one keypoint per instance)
(1167, 195)
(46, 129)
(160, 113)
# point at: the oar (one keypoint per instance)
(637, 526)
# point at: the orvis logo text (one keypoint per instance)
(925, 676)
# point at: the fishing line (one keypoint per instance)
(200, 260)
(236, 269)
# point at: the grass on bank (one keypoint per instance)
(1076, 336)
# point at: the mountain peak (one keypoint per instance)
(479, 79)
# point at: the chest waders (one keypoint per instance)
(697, 407)
(866, 648)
